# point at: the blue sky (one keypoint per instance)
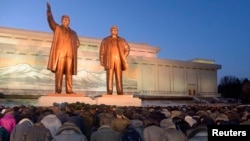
(183, 29)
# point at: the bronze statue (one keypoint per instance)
(63, 52)
(113, 52)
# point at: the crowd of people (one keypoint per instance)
(85, 122)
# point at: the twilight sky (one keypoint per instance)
(184, 29)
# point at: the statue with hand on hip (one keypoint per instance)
(113, 52)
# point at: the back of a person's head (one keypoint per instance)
(150, 121)
(167, 123)
(44, 113)
(197, 134)
(248, 116)
(206, 120)
(106, 119)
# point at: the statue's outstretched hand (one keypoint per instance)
(48, 7)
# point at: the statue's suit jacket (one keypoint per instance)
(106, 48)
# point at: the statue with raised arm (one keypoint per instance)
(63, 52)
(113, 52)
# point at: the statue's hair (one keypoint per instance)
(114, 26)
(65, 16)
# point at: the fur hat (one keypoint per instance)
(150, 121)
(167, 123)
(222, 117)
(106, 118)
(190, 120)
(166, 113)
(119, 111)
(175, 113)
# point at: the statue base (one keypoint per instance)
(118, 100)
(51, 98)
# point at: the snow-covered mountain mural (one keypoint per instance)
(24, 76)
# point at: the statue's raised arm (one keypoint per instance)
(51, 21)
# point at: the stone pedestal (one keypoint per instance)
(118, 100)
(49, 99)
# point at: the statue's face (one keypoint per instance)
(65, 21)
(114, 31)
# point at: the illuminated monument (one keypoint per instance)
(24, 55)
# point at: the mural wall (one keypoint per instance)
(24, 71)
(23, 66)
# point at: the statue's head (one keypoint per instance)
(114, 30)
(65, 20)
